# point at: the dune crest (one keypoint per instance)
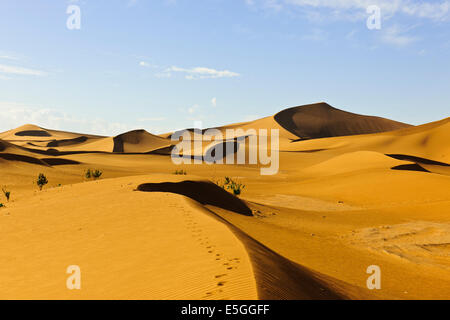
(320, 120)
(139, 141)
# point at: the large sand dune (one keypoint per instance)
(321, 120)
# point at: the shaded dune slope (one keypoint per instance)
(321, 120)
(11, 152)
(207, 193)
(278, 278)
(421, 164)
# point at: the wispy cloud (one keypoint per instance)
(214, 102)
(20, 71)
(397, 36)
(203, 73)
(146, 64)
(436, 10)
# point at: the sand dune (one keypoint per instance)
(139, 141)
(321, 120)
(352, 161)
(429, 141)
(352, 191)
(32, 132)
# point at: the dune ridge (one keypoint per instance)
(321, 120)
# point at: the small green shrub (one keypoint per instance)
(1, 205)
(96, 174)
(236, 187)
(229, 184)
(88, 174)
(6, 193)
(41, 180)
(180, 172)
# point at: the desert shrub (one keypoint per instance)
(180, 172)
(6, 193)
(229, 184)
(96, 174)
(41, 180)
(1, 205)
(88, 174)
(236, 187)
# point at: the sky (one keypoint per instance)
(162, 65)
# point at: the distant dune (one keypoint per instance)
(321, 120)
(139, 141)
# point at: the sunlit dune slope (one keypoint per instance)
(35, 133)
(429, 141)
(128, 245)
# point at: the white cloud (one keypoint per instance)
(214, 102)
(203, 73)
(146, 64)
(21, 71)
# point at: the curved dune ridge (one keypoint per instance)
(321, 120)
(32, 132)
(139, 141)
(205, 192)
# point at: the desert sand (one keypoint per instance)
(352, 191)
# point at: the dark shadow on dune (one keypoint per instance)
(417, 159)
(218, 152)
(410, 167)
(32, 160)
(165, 151)
(321, 120)
(55, 152)
(59, 161)
(33, 133)
(307, 151)
(207, 193)
(66, 142)
(221, 151)
(22, 158)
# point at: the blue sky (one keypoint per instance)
(163, 64)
